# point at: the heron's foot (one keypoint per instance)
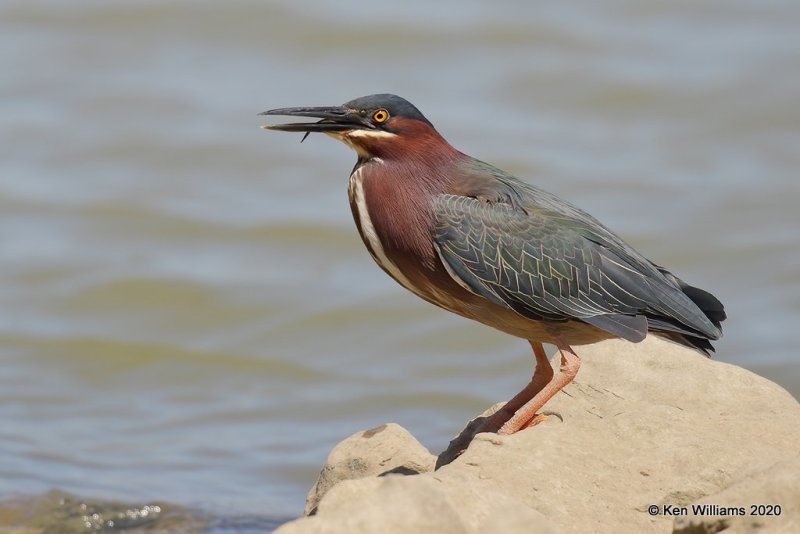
(535, 420)
(538, 419)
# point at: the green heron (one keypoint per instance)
(476, 241)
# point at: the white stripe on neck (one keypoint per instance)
(368, 229)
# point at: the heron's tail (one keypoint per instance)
(671, 329)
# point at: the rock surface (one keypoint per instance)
(650, 424)
(755, 496)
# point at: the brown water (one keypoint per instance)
(186, 311)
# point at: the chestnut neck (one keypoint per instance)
(418, 152)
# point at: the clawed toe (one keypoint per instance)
(535, 420)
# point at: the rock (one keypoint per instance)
(64, 513)
(388, 448)
(648, 424)
(401, 504)
(778, 486)
(386, 504)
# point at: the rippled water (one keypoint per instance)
(186, 310)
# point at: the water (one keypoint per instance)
(186, 310)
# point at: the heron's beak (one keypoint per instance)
(333, 119)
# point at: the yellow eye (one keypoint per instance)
(380, 116)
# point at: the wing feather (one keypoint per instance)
(540, 264)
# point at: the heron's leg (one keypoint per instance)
(542, 375)
(570, 363)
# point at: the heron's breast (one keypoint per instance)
(363, 213)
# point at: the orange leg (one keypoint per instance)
(542, 376)
(523, 416)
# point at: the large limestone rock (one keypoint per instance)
(650, 424)
(768, 501)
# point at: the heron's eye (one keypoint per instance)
(380, 115)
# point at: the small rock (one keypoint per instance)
(390, 504)
(397, 505)
(388, 448)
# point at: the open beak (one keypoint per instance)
(332, 119)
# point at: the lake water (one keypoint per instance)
(186, 310)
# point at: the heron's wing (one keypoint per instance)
(621, 278)
(540, 263)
